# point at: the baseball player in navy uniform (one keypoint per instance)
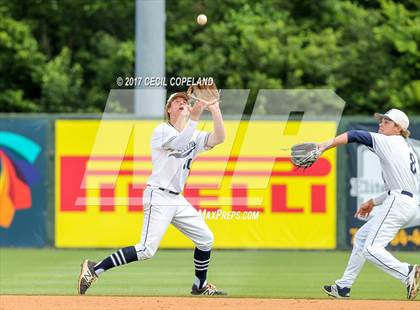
(175, 144)
(396, 206)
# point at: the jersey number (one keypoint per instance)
(188, 164)
(413, 163)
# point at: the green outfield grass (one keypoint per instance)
(273, 274)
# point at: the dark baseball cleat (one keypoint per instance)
(336, 291)
(413, 281)
(87, 276)
(208, 289)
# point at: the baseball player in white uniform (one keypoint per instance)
(175, 144)
(396, 206)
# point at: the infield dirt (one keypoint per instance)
(15, 302)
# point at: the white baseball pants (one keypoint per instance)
(161, 209)
(372, 238)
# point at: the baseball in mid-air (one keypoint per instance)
(202, 19)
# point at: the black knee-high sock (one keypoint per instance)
(201, 264)
(120, 257)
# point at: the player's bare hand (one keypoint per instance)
(197, 110)
(214, 107)
(365, 209)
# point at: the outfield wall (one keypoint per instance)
(92, 177)
(24, 147)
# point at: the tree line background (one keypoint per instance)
(64, 55)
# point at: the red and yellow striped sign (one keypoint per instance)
(102, 168)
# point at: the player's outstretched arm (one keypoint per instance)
(352, 136)
(329, 144)
(219, 133)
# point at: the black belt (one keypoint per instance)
(167, 190)
(404, 193)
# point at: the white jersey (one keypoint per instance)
(395, 210)
(399, 162)
(171, 167)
